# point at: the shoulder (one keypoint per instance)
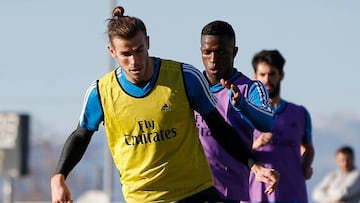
(239, 78)
(168, 63)
(332, 174)
(110, 74)
(190, 69)
(192, 73)
(356, 173)
(295, 105)
(92, 88)
(185, 67)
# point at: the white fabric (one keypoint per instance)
(337, 186)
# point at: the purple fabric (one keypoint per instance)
(283, 155)
(230, 176)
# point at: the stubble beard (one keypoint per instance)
(275, 92)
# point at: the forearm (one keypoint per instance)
(320, 192)
(263, 139)
(308, 154)
(256, 107)
(261, 118)
(227, 137)
(320, 196)
(73, 150)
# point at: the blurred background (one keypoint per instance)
(51, 51)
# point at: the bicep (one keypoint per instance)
(91, 114)
(307, 139)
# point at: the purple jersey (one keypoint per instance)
(283, 154)
(230, 176)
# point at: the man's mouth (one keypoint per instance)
(135, 70)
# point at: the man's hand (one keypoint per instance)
(262, 140)
(308, 171)
(59, 191)
(236, 94)
(268, 176)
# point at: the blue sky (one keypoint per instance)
(52, 50)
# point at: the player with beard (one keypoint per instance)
(288, 148)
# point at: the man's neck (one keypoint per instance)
(150, 66)
(274, 102)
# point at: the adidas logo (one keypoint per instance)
(165, 108)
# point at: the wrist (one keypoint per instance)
(239, 104)
(256, 167)
(58, 178)
(306, 165)
(256, 145)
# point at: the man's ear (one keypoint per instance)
(111, 51)
(236, 49)
(282, 75)
(148, 42)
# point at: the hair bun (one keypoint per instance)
(118, 12)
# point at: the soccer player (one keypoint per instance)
(218, 50)
(288, 148)
(146, 106)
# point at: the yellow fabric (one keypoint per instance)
(153, 139)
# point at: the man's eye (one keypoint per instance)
(220, 52)
(126, 54)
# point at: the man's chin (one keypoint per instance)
(271, 94)
(213, 72)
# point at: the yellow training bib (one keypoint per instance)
(153, 139)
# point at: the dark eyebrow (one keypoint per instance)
(132, 51)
